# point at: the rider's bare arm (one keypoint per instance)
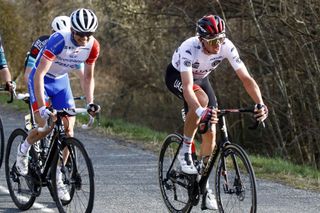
(250, 85)
(42, 69)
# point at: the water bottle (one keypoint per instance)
(27, 121)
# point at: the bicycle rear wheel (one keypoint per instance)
(1, 143)
(235, 181)
(19, 186)
(78, 176)
(173, 183)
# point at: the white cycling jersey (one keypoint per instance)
(189, 57)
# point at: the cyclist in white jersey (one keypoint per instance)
(49, 79)
(187, 78)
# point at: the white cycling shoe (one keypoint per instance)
(63, 192)
(186, 163)
(22, 162)
(209, 201)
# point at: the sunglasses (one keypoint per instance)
(83, 34)
(214, 41)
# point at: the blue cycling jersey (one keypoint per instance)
(65, 56)
(37, 46)
(3, 61)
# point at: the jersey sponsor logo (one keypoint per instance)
(215, 58)
(74, 54)
(187, 63)
(215, 63)
(177, 63)
(72, 66)
(59, 58)
(238, 60)
(196, 65)
(56, 45)
(178, 85)
(189, 52)
(40, 44)
(69, 47)
(201, 72)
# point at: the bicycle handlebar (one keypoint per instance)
(12, 94)
(69, 112)
(222, 112)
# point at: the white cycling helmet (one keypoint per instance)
(84, 20)
(61, 23)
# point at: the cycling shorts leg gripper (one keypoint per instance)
(196, 87)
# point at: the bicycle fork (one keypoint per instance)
(237, 187)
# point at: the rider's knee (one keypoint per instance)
(68, 123)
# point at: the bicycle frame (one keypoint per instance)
(55, 145)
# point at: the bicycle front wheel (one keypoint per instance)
(77, 176)
(173, 183)
(235, 181)
(1, 143)
(20, 188)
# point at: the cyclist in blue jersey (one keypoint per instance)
(59, 23)
(4, 70)
(49, 79)
(187, 76)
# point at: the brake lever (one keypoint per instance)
(257, 123)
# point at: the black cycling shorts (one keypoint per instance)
(174, 84)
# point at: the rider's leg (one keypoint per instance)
(68, 123)
(23, 149)
(63, 192)
(192, 120)
(208, 143)
(190, 128)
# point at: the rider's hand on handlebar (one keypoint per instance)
(10, 86)
(93, 109)
(261, 112)
(44, 112)
(208, 114)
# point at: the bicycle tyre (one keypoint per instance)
(1, 143)
(78, 167)
(239, 195)
(18, 186)
(173, 184)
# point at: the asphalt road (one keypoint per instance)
(126, 180)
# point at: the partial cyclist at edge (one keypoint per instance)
(187, 78)
(63, 51)
(5, 74)
(59, 23)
